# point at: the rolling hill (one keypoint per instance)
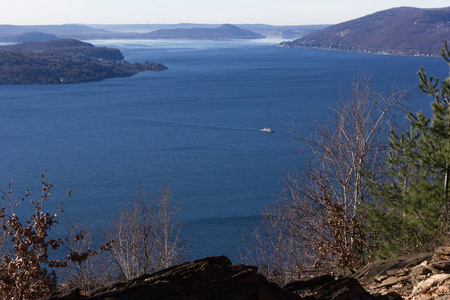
(65, 47)
(400, 31)
(16, 33)
(13, 33)
(223, 32)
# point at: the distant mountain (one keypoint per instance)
(36, 37)
(402, 31)
(288, 31)
(291, 31)
(16, 33)
(11, 32)
(66, 47)
(224, 32)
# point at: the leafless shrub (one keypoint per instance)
(85, 272)
(145, 236)
(316, 224)
(21, 269)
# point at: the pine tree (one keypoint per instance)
(411, 208)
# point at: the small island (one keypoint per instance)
(65, 61)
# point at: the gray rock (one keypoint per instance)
(382, 267)
(208, 278)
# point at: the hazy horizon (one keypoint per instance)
(281, 12)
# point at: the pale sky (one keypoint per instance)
(274, 12)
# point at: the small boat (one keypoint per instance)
(265, 129)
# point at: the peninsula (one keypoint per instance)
(65, 61)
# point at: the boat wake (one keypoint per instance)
(195, 125)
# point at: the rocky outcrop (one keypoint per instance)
(420, 276)
(329, 288)
(208, 278)
(216, 278)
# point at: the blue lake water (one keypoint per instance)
(194, 126)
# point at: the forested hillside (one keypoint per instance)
(65, 61)
(403, 31)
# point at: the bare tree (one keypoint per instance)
(145, 235)
(168, 241)
(316, 225)
(86, 272)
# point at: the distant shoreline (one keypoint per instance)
(20, 33)
(362, 51)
